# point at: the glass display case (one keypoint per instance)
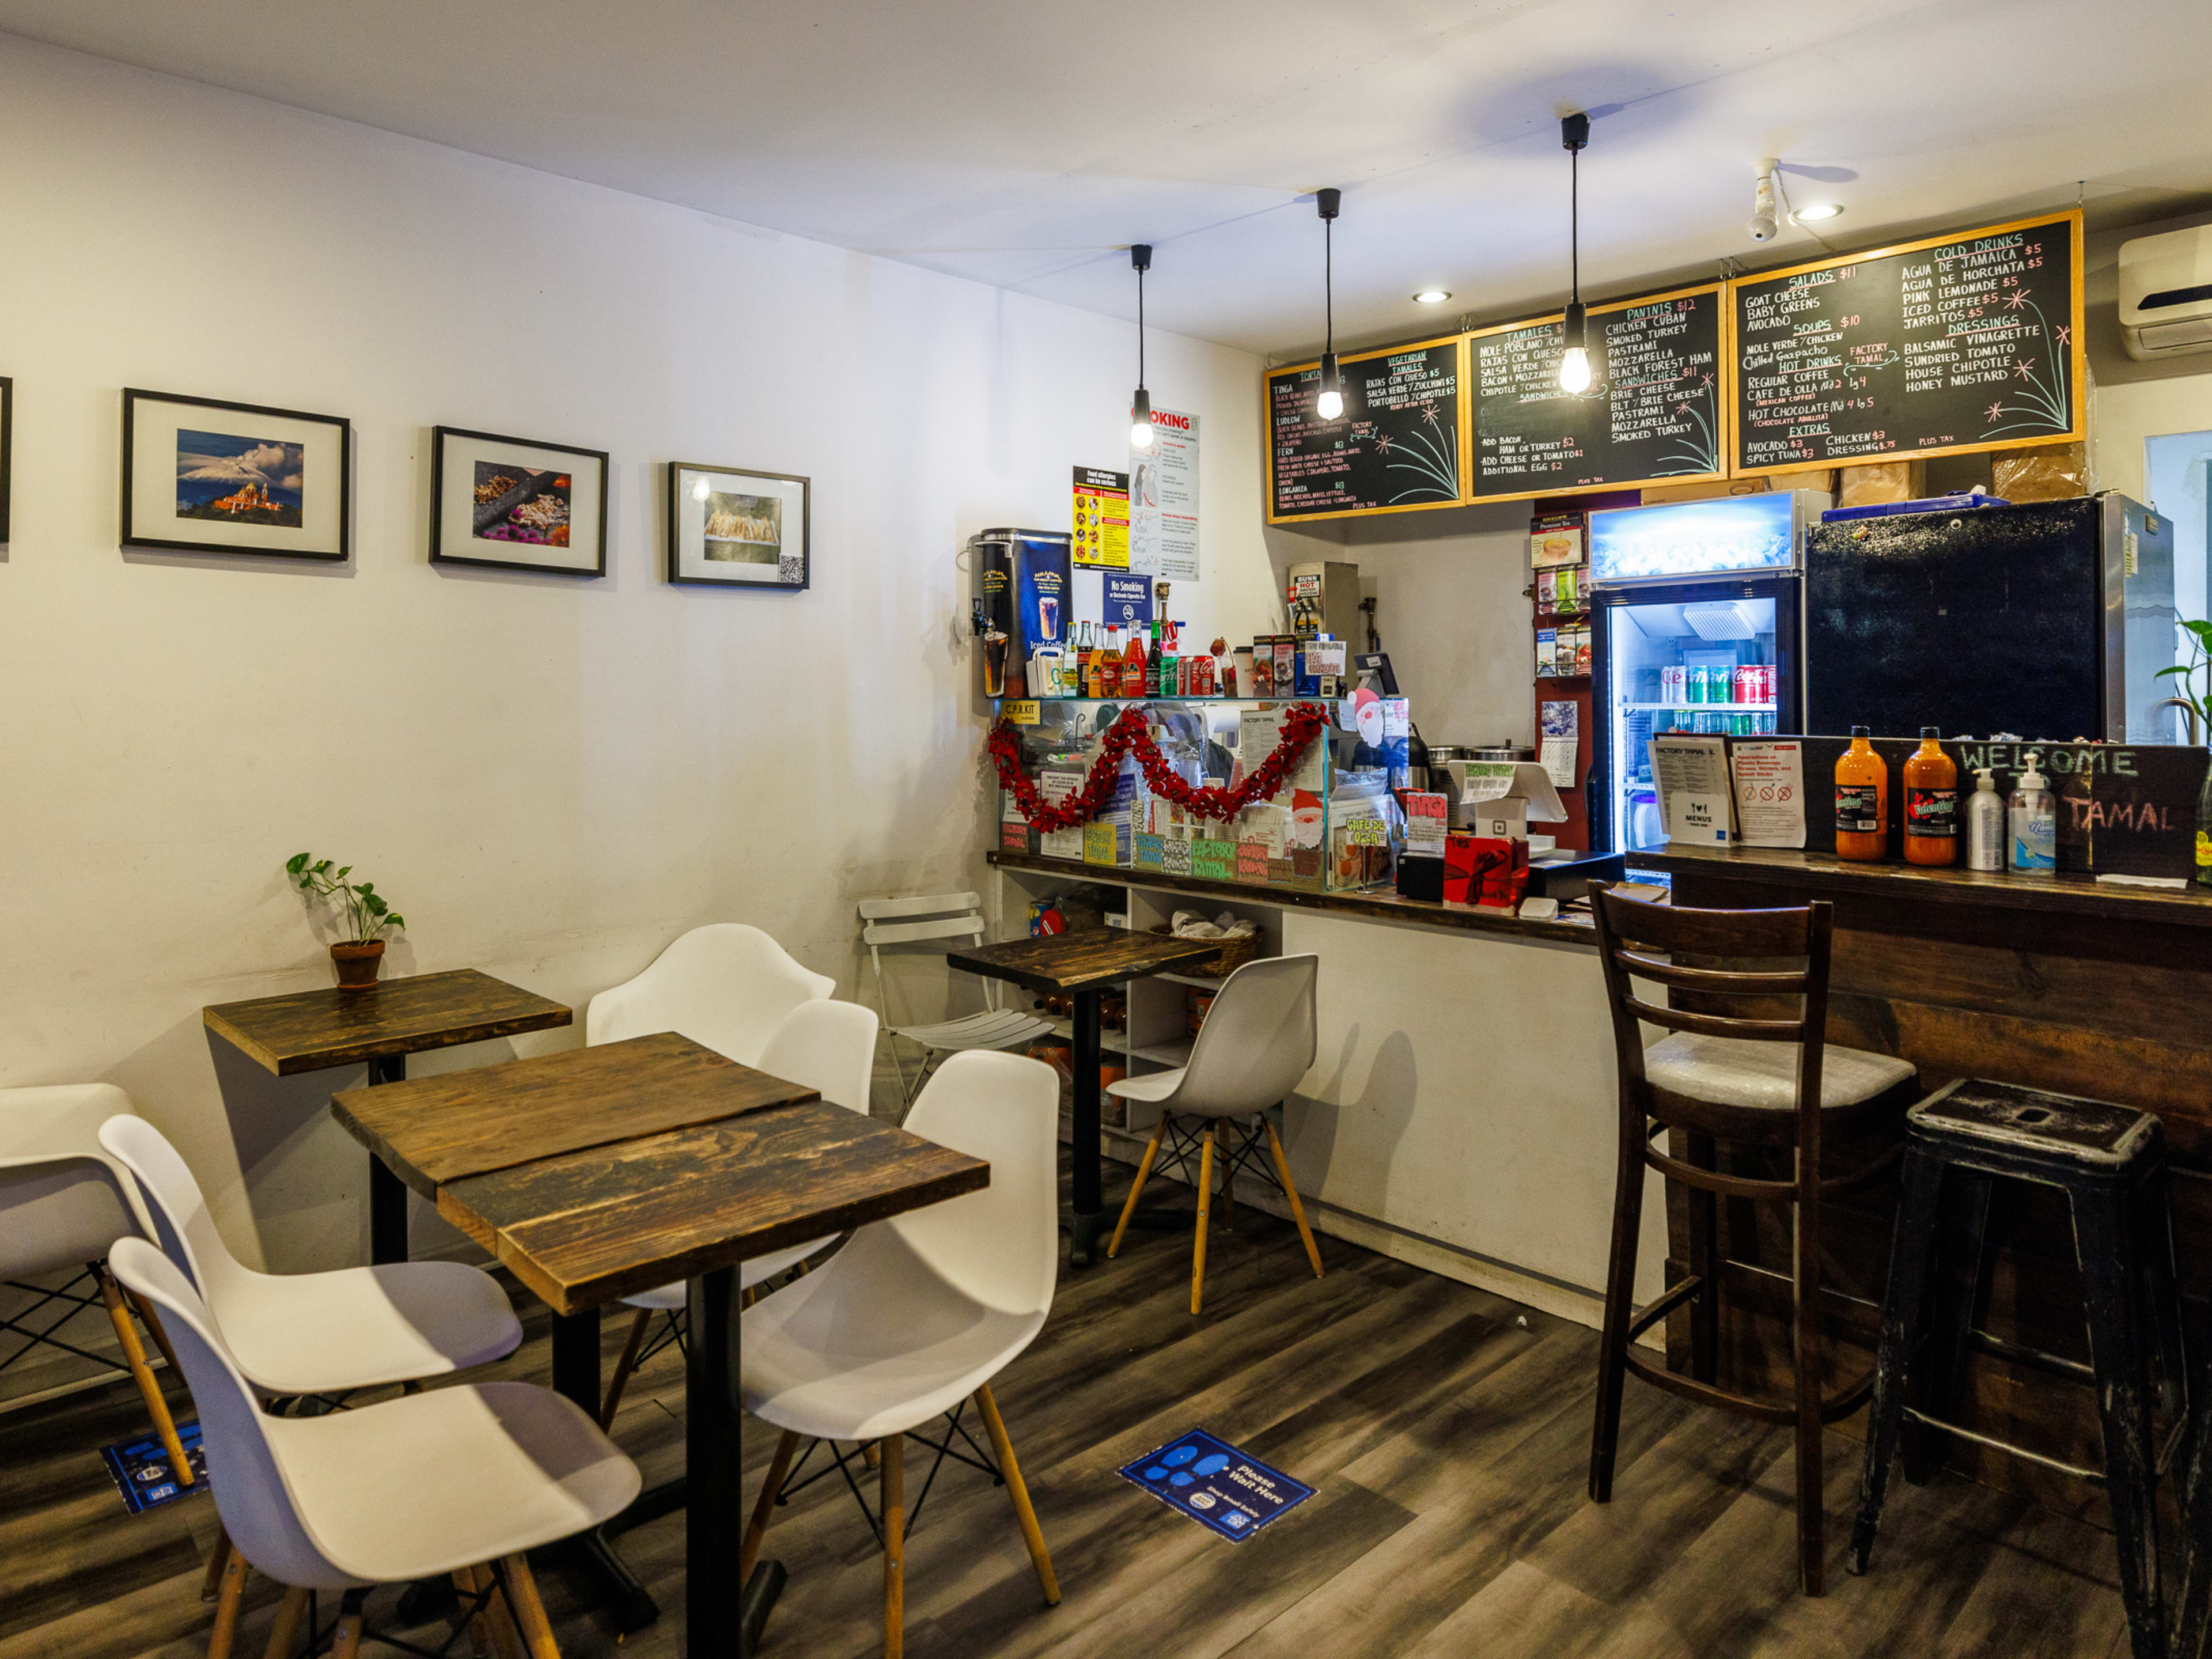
(1333, 824)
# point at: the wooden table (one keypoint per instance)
(382, 1025)
(597, 1173)
(1081, 966)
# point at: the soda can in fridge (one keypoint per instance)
(1694, 685)
(1744, 677)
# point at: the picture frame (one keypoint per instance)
(734, 526)
(6, 449)
(508, 503)
(204, 475)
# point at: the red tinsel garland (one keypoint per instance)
(1302, 724)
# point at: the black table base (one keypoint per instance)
(387, 1192)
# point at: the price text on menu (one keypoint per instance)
(1652, 410)
(1397, 446)
(1958, 343)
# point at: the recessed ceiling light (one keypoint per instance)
(1433, 296)
(1818, 211)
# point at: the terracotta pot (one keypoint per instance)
(357, 963)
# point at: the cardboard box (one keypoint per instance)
(2048, 472)
(1880, 481)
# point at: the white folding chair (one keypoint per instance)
(940, 916)
(726, 986)
(64, 1202)
(916, 1315)
(458, 1482)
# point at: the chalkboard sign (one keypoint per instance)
(1653, 410)
(1400, 446)
(1943, 347)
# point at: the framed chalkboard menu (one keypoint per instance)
(1400, 446)
(1941, 347)
(1653, 410)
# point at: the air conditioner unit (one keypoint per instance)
(2166, 293)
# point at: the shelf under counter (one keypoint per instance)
(1380, 907)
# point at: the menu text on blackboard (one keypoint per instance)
(1399, 446)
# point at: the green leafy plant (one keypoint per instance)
(367, 914)
(2200, 700)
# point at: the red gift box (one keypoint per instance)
(1501, 872)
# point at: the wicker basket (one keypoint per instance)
(1233, 954)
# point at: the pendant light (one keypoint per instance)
(1330, 404)
(1141, 415)
(1574, 363)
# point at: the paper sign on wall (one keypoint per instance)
(1164, 499)
(1102, 518)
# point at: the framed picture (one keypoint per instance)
(203, 476)
(6, 449)
(733, 528)
(517, 504)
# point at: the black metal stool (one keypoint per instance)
(2108, 1161)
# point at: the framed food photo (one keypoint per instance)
(204, 475)
(729, 527)
(517, 504)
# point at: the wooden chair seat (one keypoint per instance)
(1763, 1076)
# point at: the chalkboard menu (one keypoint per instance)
(1652, 411)
(1400, 446)
(1941, 347)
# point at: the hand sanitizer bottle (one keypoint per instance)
(1985, 823)
(2034, 822)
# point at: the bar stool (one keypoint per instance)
(2108, 1161)
(1729, 1078)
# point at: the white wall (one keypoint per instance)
(551, 777)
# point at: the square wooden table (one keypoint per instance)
(382, 1025)
(1081, 966)
(719, 1164)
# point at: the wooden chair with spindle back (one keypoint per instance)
(1744, 1077)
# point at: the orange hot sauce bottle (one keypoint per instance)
(1931, 803)
(1861, 799)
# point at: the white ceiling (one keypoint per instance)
(1026, 145)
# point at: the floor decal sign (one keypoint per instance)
(141, 1473)
(1216, 1484)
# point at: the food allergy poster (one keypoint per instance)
(1950, 345)
(1164, 499)
(1216, 1484)
(1102, 518)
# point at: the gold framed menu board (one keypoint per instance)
(1946, 346)
(1654, 411)
(1400, 444)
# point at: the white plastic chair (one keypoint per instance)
(941, 916)
(64, 1202)
(316, 1333)
(828, 1046)
(726, 986)
(461, 1480)
(1257, 1041)
(916, 1315)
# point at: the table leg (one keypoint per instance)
(1089, 1205)
(718, 1625)
(576, 1374)
(387, 1193)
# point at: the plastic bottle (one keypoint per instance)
(2033, 823)
(1985, 823)
(1931, 803)
(1861, 799)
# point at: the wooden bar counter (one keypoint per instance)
(2070, 985)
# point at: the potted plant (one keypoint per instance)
(2199, 705)
(367, 917)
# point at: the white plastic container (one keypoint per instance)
(2032, 841)
(1985, 823)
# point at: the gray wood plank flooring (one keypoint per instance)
(1445, 1431)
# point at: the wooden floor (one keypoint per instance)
(1446, 1431)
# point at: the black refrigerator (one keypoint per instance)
(2047, 620)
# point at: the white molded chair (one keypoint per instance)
(64, 1202)
(941, 916)
(916, 1315)
(317, 1334)
(828, 1046)
(726, 986)
(1257, 1041)
(461, 1480)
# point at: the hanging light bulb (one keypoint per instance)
(1330, 404)
(1141, 410)
(1574, 361)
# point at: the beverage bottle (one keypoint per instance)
(1861, 799)
(1106, 666)
(1153, 663)
(1931, 804)
(1985, 823)
(1084, 654)
(1133, 664)
(2033, 823)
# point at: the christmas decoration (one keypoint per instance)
(1302, 724)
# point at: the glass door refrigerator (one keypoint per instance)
(1696, 610)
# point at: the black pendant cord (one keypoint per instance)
(1575, 225)
(1141, 328)
(1329, 286)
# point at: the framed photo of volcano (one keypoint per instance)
(517, 504)
(204, 475)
